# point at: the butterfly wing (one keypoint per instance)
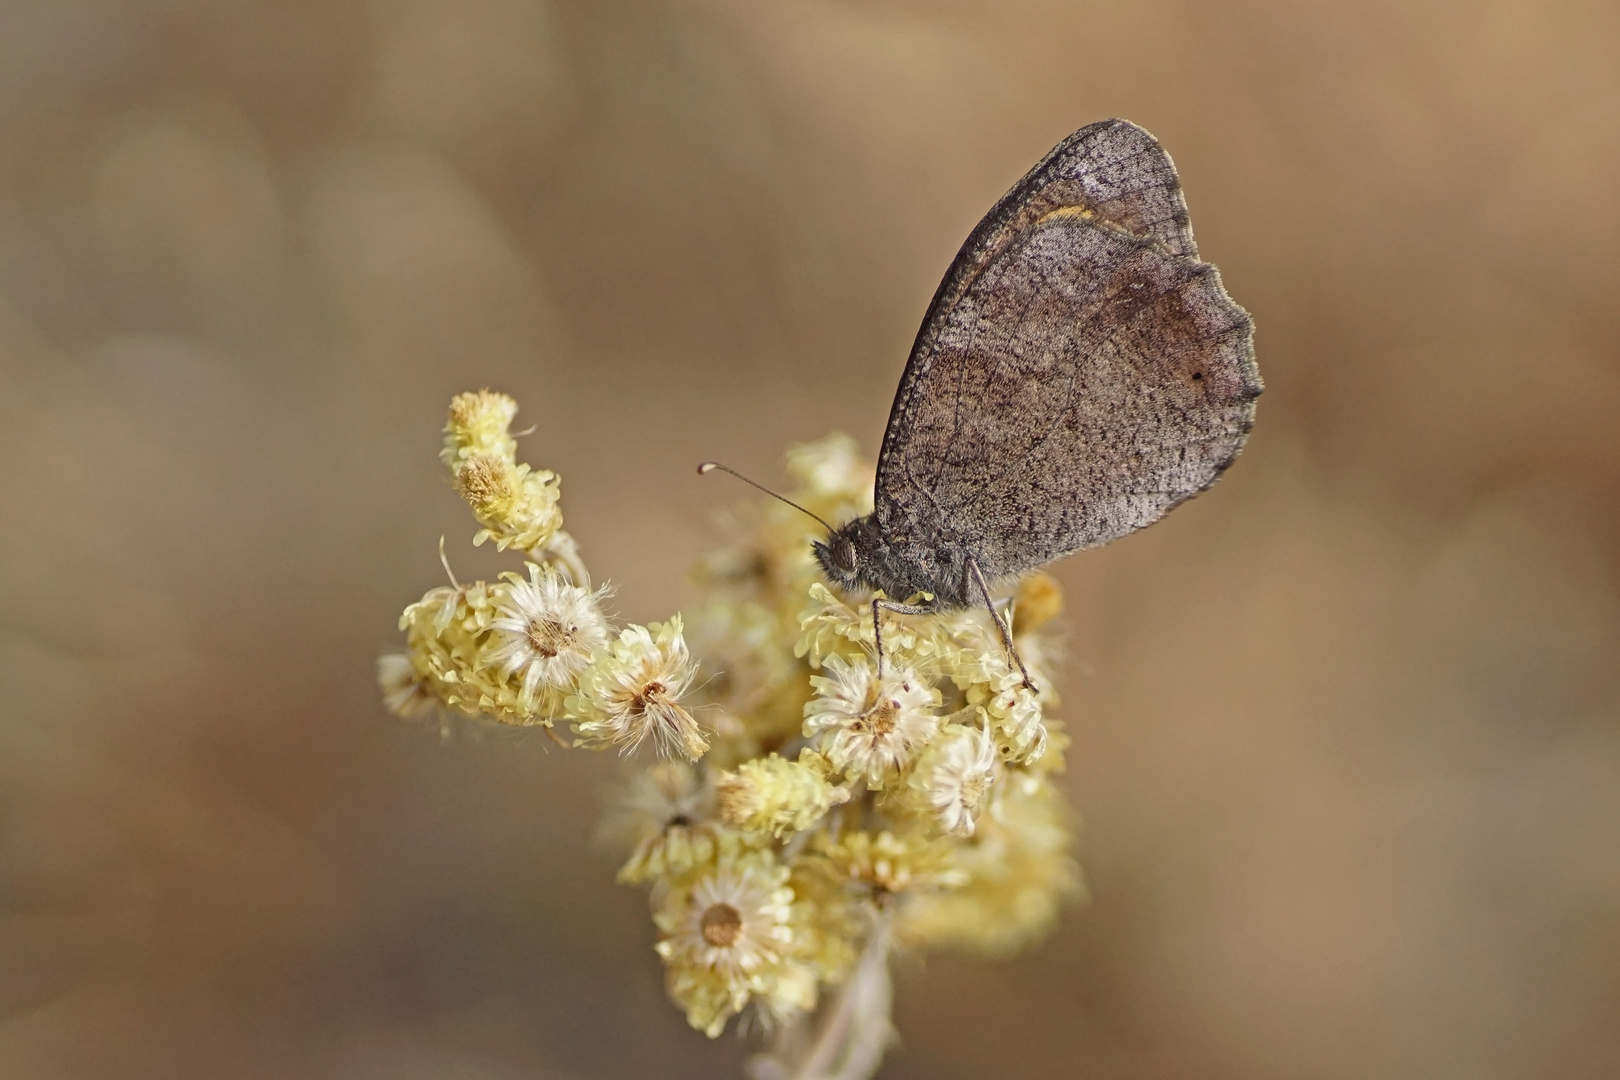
(1079, 371)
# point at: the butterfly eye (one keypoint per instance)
(844, 554)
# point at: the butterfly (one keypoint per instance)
(1079, 373)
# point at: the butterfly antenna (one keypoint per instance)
(709, 467)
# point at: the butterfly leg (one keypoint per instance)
(877, 624)
(1001, 625)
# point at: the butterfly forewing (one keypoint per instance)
(1112, 168)
(1080, 371)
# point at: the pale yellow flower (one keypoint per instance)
(545, 632)
(887, 863)
(444, 635)
(479, 422)
(733, 918)
(1017, 719)
(727, 936)
(1019, 872)
(954, 776)
(517, 506)
(777, 796)
(630, 693)
(406, 693)
(989, 679)
(867, 728)
(829, 626)
(666, 818)
(1029, 775)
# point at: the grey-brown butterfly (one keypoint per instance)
(1078, 374)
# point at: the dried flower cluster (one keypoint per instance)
(807, 815)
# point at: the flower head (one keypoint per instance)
(545, 631)
(727, 934)
(516, 505)
(887, 863)
(870, 728)
(666, 817)
(479, 422)
(829, 625)
(629, 692)
(443, 635)
(777, 796)
(989, 679)
(953, 778)
(1018, 870)
(406, 693)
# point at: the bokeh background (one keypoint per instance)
(1346, 731)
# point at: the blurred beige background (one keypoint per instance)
(1346, 727)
